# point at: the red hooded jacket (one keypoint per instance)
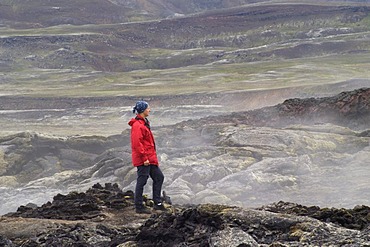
(142, 142)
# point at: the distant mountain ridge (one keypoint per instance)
(235, 35)
(39, 13)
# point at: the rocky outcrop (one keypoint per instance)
(216, 225)
(79, 206)
(350, 109)
(104, 222)
(356, 218)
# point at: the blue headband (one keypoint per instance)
(140, 106)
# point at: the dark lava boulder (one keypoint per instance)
(357, 218)
(79, 206)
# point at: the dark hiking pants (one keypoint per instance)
(143, 173)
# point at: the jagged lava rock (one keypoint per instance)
(279, 224)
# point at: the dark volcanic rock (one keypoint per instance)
(79, 206)
(81, 235)
(351, 109)
(192, 225)
(357, 218)
(5, 242)
(201, 225)
(347, 108)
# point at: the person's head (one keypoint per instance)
(142, 108)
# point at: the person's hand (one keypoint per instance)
(146, 163)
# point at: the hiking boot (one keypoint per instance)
(143, 210)
(159, 206)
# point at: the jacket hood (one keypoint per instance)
(135, 119)
(132, 121)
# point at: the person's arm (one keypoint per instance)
(137, 140)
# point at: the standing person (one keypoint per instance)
(144, 158)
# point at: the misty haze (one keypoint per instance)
(253, 103)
